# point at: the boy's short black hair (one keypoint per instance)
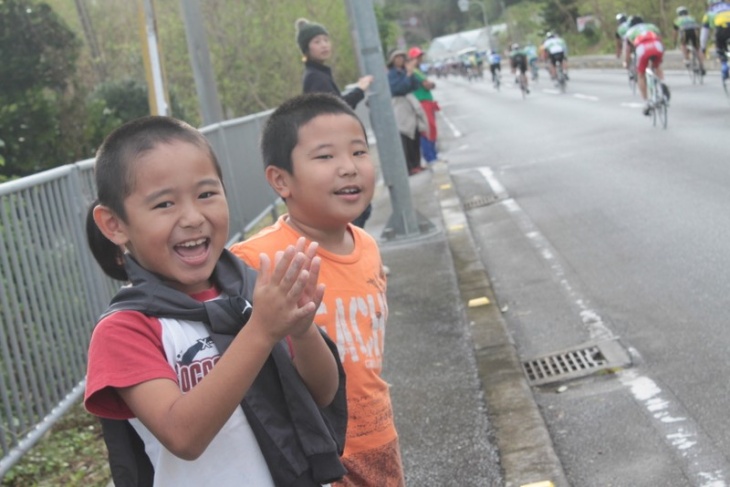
(281, 132)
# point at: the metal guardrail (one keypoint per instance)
(52, 291)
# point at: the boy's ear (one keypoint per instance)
(110, 225)
(279, 180)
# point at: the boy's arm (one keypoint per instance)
(187, 423)
(316, 365)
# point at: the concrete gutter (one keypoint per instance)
(526, 450)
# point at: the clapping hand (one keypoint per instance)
(286, 295)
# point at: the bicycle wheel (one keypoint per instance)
(697, 66)
(651, 92)
(632, 75)
(693, 67)
(662, 112)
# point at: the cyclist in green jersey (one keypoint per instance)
(518, 61)
(686, 31)
(555, 50)
(717, 18)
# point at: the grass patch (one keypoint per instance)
(71, 454)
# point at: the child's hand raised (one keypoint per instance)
(286, 295)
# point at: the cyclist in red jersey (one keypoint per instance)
(645, 39)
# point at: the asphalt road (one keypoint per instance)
(605, 227)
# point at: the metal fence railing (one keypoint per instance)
(52, 291)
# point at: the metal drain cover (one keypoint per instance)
(479, 201)
(576, 362)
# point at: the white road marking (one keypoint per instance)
(453, 128)
(632, 104)
(585, 97)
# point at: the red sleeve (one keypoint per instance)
(126, 349)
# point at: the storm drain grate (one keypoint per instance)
(574, 363)
(478, 201)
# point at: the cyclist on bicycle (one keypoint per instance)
(686, 30)
(645, 39)
(518, 60)
(717, 17)
(495, 64)
(531, 52)
(557, 51)
(622, 22)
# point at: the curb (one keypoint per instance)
(526, 450)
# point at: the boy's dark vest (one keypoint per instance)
(301, 442)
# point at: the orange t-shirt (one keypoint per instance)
(353, 314)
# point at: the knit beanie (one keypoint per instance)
(306, 31)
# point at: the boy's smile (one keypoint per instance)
(333, 177)
(177, 215)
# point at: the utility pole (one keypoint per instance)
(210, 107)
(96, 56)
(156, 89)
(404, 222)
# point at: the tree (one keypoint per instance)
(38, 53)
(560, 15)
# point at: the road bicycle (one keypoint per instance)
(534, 70)
(522, 81)
(656, 96)
(496, 79)
(560, 78)
(693, 68)
(632, 73)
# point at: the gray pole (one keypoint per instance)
(210, 106)
(404, 221)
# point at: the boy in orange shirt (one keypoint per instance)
(317, 159)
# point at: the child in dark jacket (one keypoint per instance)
(316, 46)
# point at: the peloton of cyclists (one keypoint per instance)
(717, 17)
(518, 61)
(686, 30)
(645, 39)
(557, 51)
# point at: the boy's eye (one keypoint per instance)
(164, 204)
(207, 194)
(361, 152)
(323, 156)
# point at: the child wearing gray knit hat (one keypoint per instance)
(306, 31)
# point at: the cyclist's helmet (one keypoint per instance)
(549, 35)
(620, 18)
(515, 46)
(682, 11)
(635, 20)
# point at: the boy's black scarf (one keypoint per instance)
(301, 442)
